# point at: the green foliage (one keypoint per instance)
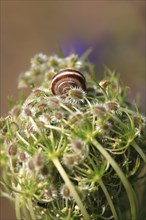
(73, 157)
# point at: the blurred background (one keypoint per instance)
(114, 29)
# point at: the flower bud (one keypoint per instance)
(104, 83)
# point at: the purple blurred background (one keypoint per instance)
(114, 29)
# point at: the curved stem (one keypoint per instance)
(124, 180)
(139, 151)
(71, 187)
(22, 139)
(7, 196)
(110, 202)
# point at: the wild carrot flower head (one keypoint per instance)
(74, 155)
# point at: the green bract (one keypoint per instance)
(76, 156)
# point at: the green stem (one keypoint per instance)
(124, 180)
(139, 150)
(25, 212)
(66, 108)
(31, 209)
(55, 128)
(17, 207)
(71, 187)
(22, 139)
(110, 202)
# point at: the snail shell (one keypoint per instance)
(65, 80)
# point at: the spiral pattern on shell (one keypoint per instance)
(67, 79)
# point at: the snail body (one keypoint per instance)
(67, 79)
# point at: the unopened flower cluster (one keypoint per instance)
(44, 128)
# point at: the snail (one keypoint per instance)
(65, 80)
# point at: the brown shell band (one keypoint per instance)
(66, 79)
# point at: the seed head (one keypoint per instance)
(42, 106)
(27, 112)
(37, 92)
(31, 165)
(44, 119)
(38, 160)
(53, 102)
(57, 117)
(99, 110)
(65, 192)
(74, 118)
(77, 145)
(12, 151)
(22, 156)
(111, 105)
(44, 170)
(29, 128)
(68, 160)
(76, 95)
